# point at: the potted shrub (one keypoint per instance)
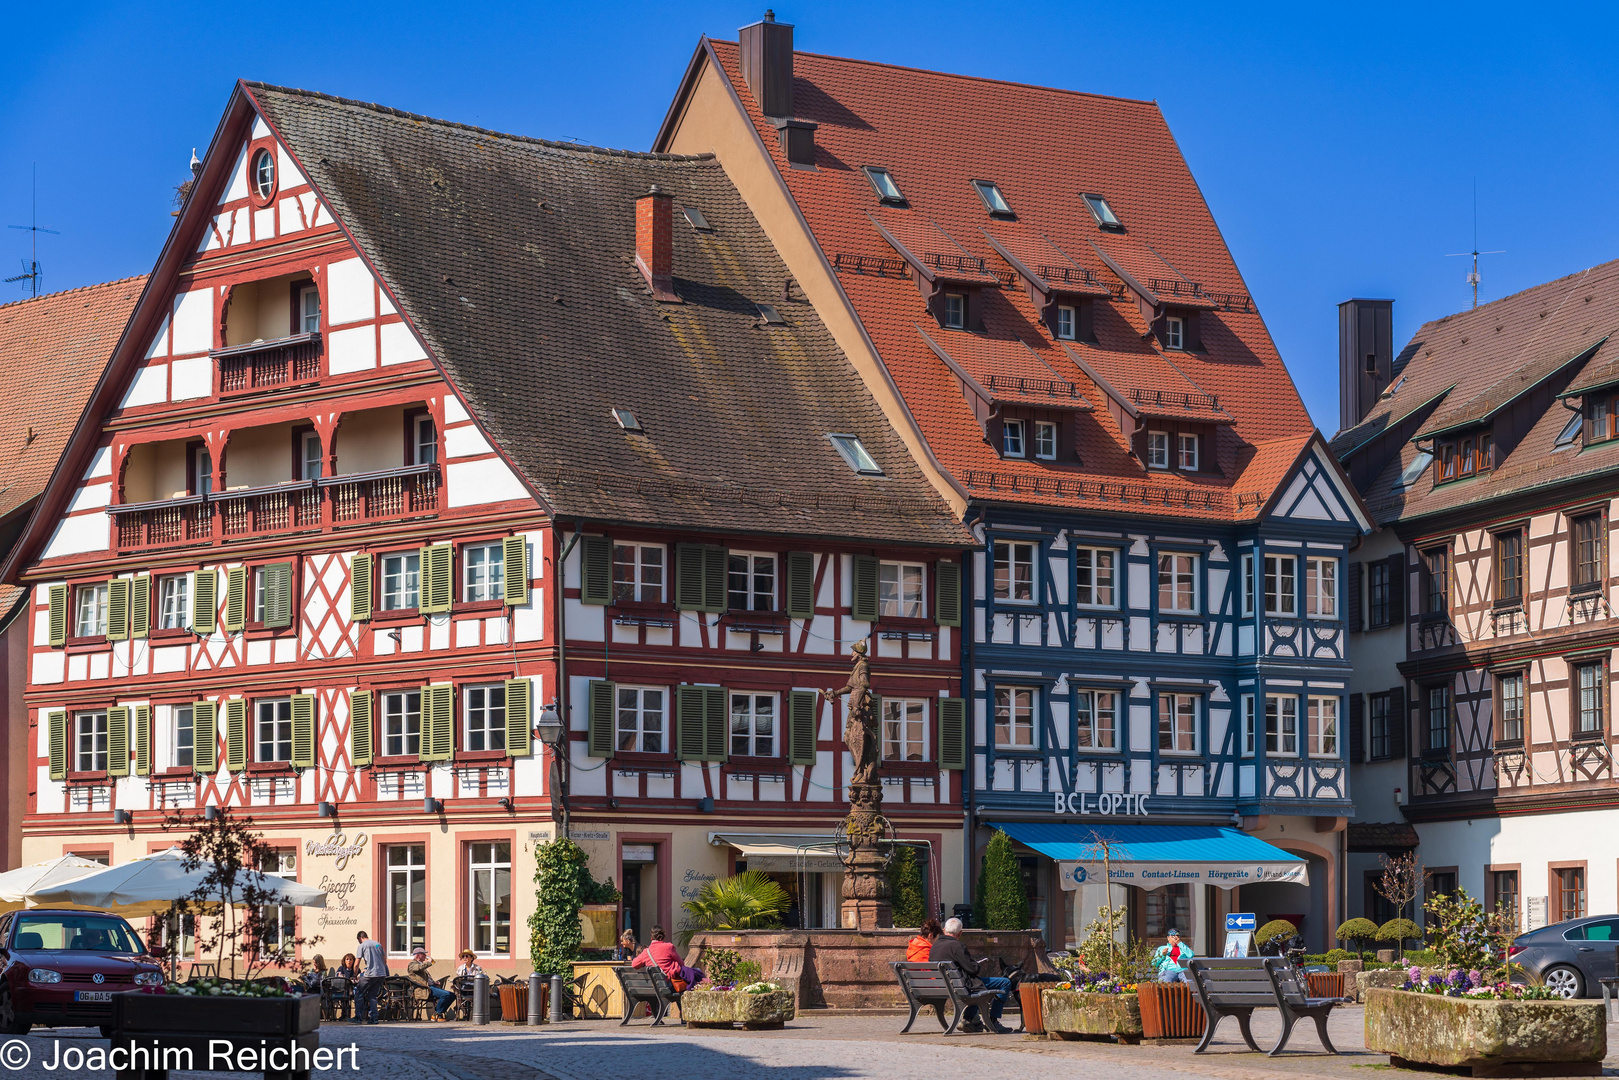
(750, 900)
(1277, 930)
(1113, 993)
(1099, 1005)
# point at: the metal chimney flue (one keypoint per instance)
(767, 64)
(1365, 357)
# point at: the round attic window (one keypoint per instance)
(264, 174)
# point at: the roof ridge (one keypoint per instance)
(389, 110)
(75, 289)
(1520, 293)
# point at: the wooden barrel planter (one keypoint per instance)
(1170, 1011)
(514, 1002)
(1029, 1004)
(1327, 984)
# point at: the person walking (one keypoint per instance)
(373, 971)
(420, 972)
(949, 947)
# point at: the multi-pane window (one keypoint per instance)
(753, 725)
(258, 595)
(1065, 322)
(1511, 695)
(273, 729)
(1321, 588)
(1570, 893)
(1439, 717)
(639, 721)
(90, 741)
(174, 602)
(1379, 727)
(402, 723)
(401, 581)
(1165, 908)
(1177, 581)
(1588, 715)
(1094, 576)
(1281, 585)
(1186, 452)
(955, 310)
(900, 590)
(424, 441)
(407, 898)
(1014, 718)
(483, 571)
(484, 714)
(1282, 725)
(1437, 598)
(309, 455)
(1323, 721)
(489, 868)
(1045, 439)
(1012, 438)
(264, 174)
(185, 737)
(1157, 449)
(278, 923)
(1177, 723)
(1248, 584)
(1014, 571)
(1509, 567)
(1447, 461)
(1174, 332)
(1096, 719)
(202, 470)
(1504, 895)
(637, 573)
(1248, 725)
(905, 730)
(90, 614)
(751, 582)
(1588, 551)
(1378, 594)
(309, 310)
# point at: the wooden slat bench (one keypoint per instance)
(938, 984)
(649, 985)
(1236, 987)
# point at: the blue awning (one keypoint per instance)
(1150, 856)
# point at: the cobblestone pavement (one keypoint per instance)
(811, 1048)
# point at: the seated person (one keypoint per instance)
(468, 966)
(316, 974)
(659, 952)
(1173, 959)
(626, 949)
(920, 947)
(949, 947)
(419, 971)
(348, 968)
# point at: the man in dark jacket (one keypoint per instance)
(949, 947)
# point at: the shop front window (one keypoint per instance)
(278, 923)
(1167, 908)
(407, 898)
(491, 899)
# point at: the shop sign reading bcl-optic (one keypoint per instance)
(1107, 804)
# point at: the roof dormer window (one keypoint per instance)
(955, 311)
(1174, 332)
(854, 454)
(1103, 213)
(882, 181)
(994, 201)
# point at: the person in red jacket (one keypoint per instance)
(658, 951)
(918, 948)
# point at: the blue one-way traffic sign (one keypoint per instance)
(1240, 922)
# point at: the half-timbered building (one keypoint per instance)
(1036, 291)
(422, 434)
(1486, 449)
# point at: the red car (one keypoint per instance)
(61, 968)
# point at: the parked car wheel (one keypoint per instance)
(9, 1024)
(1565, 982)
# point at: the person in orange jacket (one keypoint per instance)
(918, 948)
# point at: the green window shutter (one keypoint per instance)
(58, 622)
(877, 711)
(204, 600)
(118, 610)
(205, 736)
(689, 737)
(863, 589)
(235, 599)
(801, 584)
(514, 571)
(143, 740)
(519, 717)
(118, 740)
(716, 723)
(438, 722)
(56, 740)
(360, 588)
(688, 577)
(952, 733)
(303, 731)
(360, 728)
(140, 606)
(947, 592)
(435, 565)
(801, 725)
(714, 566)
(236, 734)
(595, 570)
(278, 595)
(602, 697)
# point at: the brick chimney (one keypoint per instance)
(655, 242)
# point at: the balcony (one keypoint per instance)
(263, 365)
(162, 523)
(252, 511)
(386, 493)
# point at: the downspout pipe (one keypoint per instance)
(565, 753)
(969, 686)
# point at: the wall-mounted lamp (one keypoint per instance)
(506, 804)
(122, 817)
(705, 805)
(326, 809)
(210, 813)
(548, 727)
(431, 805)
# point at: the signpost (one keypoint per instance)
(1239, 933)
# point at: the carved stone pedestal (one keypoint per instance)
(865, 880)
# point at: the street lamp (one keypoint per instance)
(553, 733)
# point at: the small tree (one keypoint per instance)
(1402, 879)
(1465, 936)
(905, 887)
(1357, 932)
(1099, 949)
(1275, 930)
(562, 885)
(1006, 904)
(1399, 931)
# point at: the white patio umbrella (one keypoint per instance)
(149, 885)
(17, 886)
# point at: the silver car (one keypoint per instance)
(1571, 957)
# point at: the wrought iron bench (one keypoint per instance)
(647, 985)
(1238, 986)
(937, 984)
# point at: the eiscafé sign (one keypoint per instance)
(1106, 804)
(338, 847)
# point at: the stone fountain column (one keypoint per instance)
(867, 833)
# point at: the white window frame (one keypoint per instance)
(904, 726)
(263, 169)
(895, 582)
(1282, 586)
(1281, 725)
(1098, 563)
(90, 610)
(1187, 452)
(755, 707)
(202, 468)
(397, 728)
(173, 602)
(257, 616)
(955, 311)
(751, 575)
(423, 440)
(408, 575)
(1157, 449)
(1067, 321)
(1325, 728)
(1020, 555)
(483, 721)
(1012, 441)
(310, 465)
(304, 314)
(633, 567)
(1018, 704)
(483, 926)
(639, 710)
(1249, 735)
(1096, 721)
(1179, 574)
(182, 737)
(1183, 726)
(483, 571)
(278, 722)
(278, 922)
(90, 754)
(1174, 332)
(1321, 587)
(1045, 440)
(411, 871)
(1249, 584)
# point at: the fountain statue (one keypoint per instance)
(867, 839)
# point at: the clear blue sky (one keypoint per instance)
(1338, 148)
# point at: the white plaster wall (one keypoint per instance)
(193, 312)
(351, 292)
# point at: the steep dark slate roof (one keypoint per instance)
(513, 258)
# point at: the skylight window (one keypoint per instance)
(698, 221)
(1102, 212)
(994, 201)
(882, 181)
(626, 420)
(854, 455)
(1571, 432)
(769, 314)
(1418, 466)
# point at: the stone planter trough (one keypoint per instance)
(1071, 1014)
(1491, 1038)
(723, 1008)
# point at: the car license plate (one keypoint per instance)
(92, 995)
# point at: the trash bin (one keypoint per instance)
(514, 1003)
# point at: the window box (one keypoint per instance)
(757, 766)
(480, 756)
(637, 761)
(469, 607)
(270, 768)
(908, 768)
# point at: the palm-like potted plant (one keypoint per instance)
(733, 992)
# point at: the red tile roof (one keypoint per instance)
(1044, 147)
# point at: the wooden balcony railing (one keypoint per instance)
(251, 511)
(163, 522)
(262, 364)
(387, 493)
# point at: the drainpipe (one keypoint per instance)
(560, 796)
(969, 689)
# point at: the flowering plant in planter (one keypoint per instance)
(761, 988)
(1472, 984)
(1102, 982)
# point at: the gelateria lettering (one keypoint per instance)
(1078, 802)
(338, 847)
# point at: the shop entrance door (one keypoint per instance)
(640, 889)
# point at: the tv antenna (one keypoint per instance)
(1473, 275)
(30, 267)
